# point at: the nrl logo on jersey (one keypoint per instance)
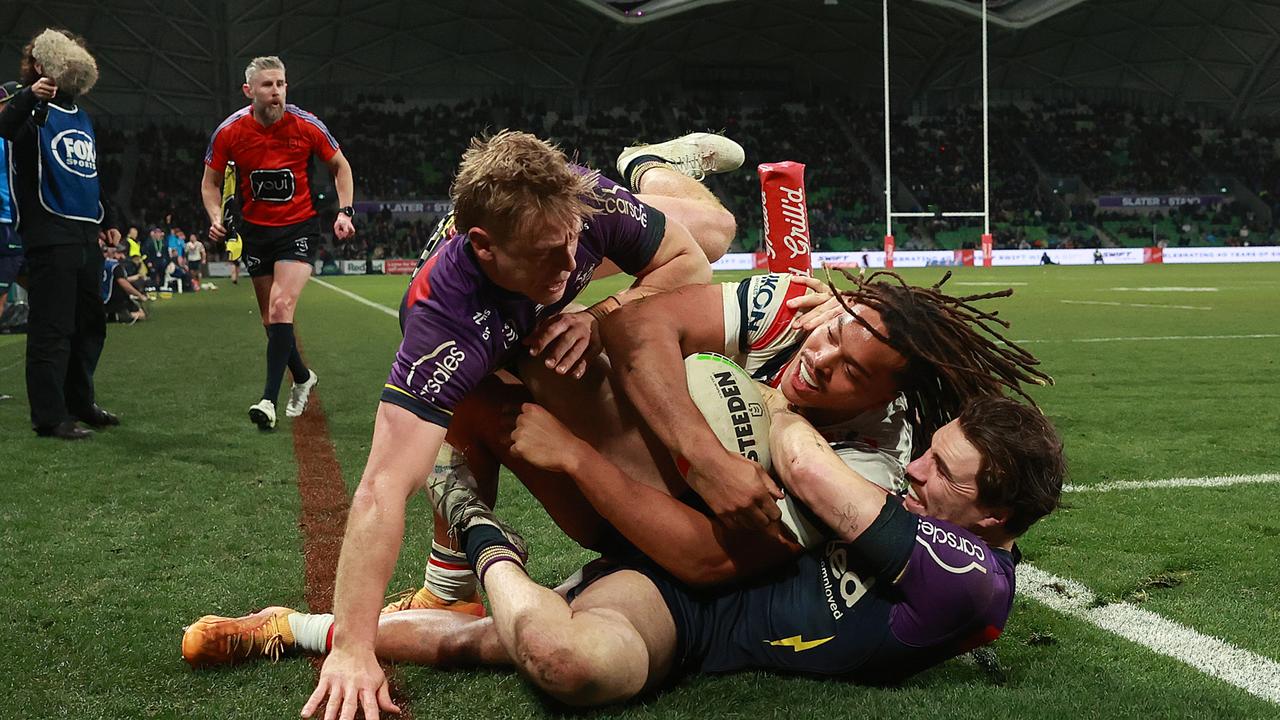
(75, 151)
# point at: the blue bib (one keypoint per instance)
(108, 269)
(6, 189)
(69, 166)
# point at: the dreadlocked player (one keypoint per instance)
(879, 368)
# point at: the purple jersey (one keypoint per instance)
(459, 326)
(941, 591)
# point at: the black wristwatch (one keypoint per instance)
(348, 211)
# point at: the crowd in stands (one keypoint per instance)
(407, 151)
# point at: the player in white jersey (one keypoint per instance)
(761, 333)
(885, 342)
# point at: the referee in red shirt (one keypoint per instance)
(270, 142)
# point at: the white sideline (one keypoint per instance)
(1142, 305)
(1165, 289)
(1136, 338)
(357, 298)
(1253, 673)
(1183, 482)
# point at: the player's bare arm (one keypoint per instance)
(646, 344)
(568, 341)
(375, 529)
(345, 185)
(211, 197)
(698, 550)
(807, 466)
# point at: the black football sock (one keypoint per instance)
(279, 343)
(297, 368)
(638, 166)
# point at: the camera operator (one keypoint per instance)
(61, 212)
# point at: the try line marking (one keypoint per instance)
(1253, 673)
(1142, 305)
(1138, 338)
(1183, 482)
(357, 298)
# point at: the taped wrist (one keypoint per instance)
(604, 307)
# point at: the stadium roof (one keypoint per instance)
(1007, 13)
(185, 58)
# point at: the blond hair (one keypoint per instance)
(509, 181)
(258, 64)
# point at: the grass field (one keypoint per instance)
(108, 547)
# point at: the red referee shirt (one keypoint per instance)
(272, 162)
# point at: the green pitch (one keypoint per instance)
(108, 547)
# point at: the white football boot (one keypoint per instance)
(263, 414)
(697, 154)
(298, 396)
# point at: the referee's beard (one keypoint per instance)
(269, 112)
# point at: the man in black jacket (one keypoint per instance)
(61, 213)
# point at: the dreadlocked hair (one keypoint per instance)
(954, 350)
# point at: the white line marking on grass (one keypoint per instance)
(1182, 482)
(1173, 288)
(360, 299)
(998, 284)
(1128, 338)
(1253, 673)
(1141, 305)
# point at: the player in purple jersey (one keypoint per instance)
(898, 589)
(531, 230)
(664, 176)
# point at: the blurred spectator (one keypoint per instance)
(121, 300)
(195, 259)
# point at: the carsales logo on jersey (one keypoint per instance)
(445, 361)
(75, 152)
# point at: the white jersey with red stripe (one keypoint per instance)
(759, 337)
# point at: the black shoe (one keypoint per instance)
(65, 430)
(96, 417)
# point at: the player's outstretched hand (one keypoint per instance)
(737, 490)
(540, 439)
(815, 308)
(343, 228)
(567, 342)
(351, 681)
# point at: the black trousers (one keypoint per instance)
(66, 328)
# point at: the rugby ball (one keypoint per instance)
(731, 403)
(734, 408)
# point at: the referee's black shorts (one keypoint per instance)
(265, 245)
